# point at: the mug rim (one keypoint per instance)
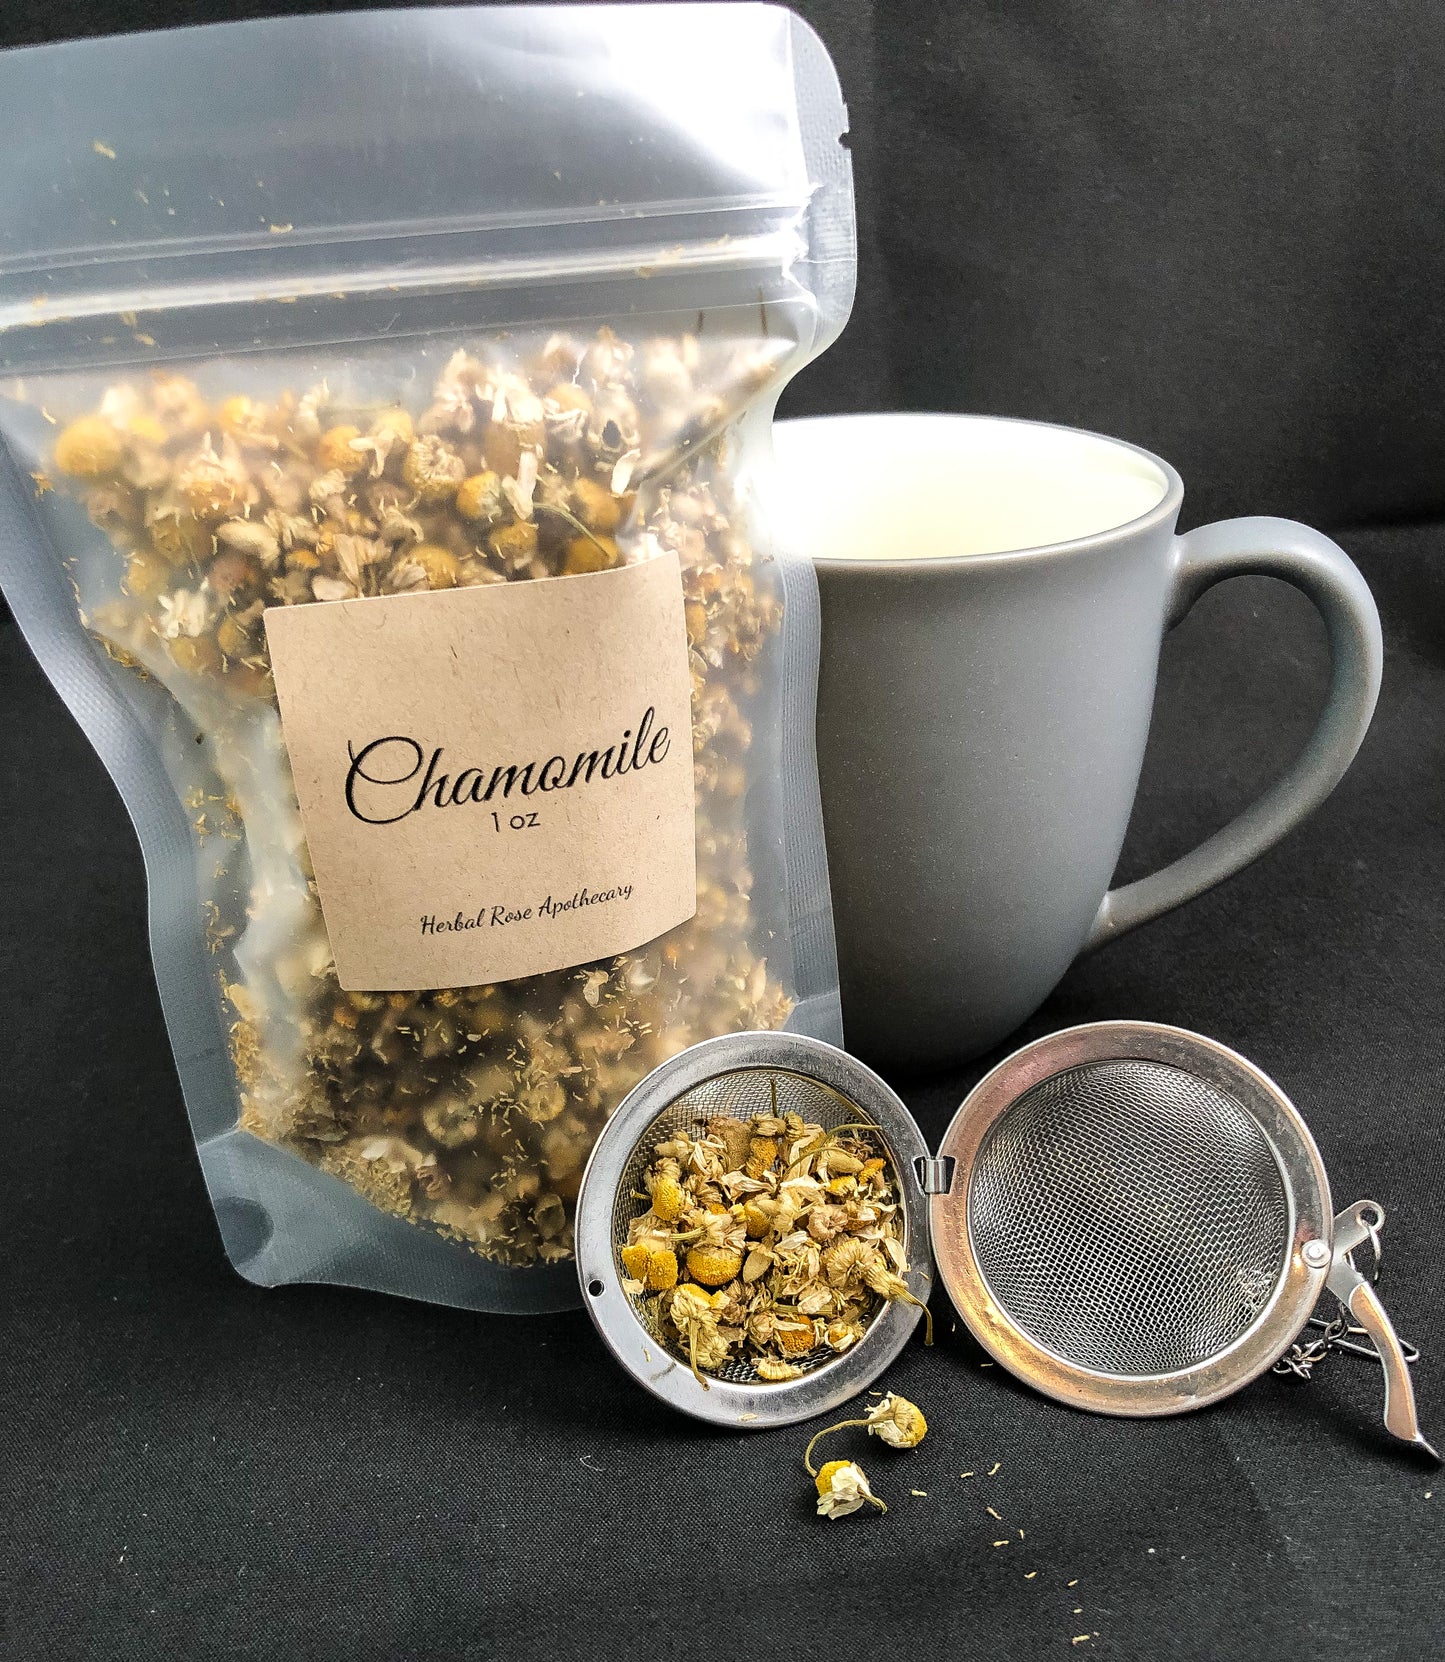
(1165, 511)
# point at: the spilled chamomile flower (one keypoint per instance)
(843, 1490)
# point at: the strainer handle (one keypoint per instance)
(1320, 569)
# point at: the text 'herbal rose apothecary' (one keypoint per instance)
(383, 512)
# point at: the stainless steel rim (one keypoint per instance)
(1301, 1169)
(753, 1406)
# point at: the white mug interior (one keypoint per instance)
(909, 487)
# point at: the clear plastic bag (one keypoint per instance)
(507, 294)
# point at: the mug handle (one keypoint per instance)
(1320, 569)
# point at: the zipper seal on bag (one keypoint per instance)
(150, 323)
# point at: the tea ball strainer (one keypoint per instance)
(1140, 1223)
(1131, 1218)
(739, 1074)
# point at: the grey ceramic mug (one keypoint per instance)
(994, 596)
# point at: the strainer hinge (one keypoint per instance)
(935, 1175)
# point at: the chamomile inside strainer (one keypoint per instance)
(762, 1218)
(759, 1226)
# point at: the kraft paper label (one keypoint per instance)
(495, 782)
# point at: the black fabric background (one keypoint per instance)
(1217, 231)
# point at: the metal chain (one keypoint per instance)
(1303, 1356)
(1336, 1333)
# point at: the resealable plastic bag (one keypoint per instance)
(381, 395)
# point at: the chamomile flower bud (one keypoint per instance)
(667, 1198)
(894, 1420)
(897, 1422)
(713, 1266)
(843, 1489)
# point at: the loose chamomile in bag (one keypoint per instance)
(380, 505)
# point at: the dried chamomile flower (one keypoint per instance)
(433, 470)
(881, 1280)
(668, 1198)
(897, 1422)
(774, 1371)
(390, 430)
(697, 1316)
(336, 450)
(89, 448)
(843, 1490)
(214, 484)
(480, 498)
(713, 1266)
(894, 1420)
(650, 1264)
(248, 421)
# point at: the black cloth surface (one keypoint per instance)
(1212, 230)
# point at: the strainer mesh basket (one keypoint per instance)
(741, 1093)
(1129, 1217)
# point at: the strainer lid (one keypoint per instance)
(703, 1080)
(1124, 1218)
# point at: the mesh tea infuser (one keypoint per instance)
(1139, 1222)
(1129, 1217)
